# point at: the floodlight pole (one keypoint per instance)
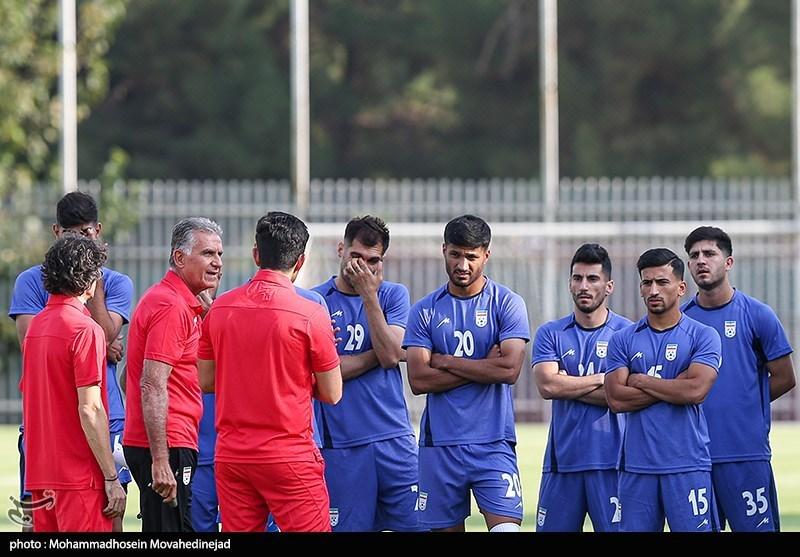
(69, 98)
(301, 112)
(548, 75)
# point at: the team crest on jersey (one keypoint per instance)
(730, 329)
(187, 475)
(423, 500)
(671, 352)
(540, 516)
(601, 348)
(481, 317)
(334, 515)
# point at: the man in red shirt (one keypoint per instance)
(265, 351)
(70, 469)
(164, 400)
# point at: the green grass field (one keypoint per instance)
(532, 438)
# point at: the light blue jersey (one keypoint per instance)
(467, 328)
(738, 407)
(665, 438)
(30, 297)
(582, 436)
(373, 407)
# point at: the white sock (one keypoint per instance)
(505, 527)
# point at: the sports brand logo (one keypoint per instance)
(334, 516)
(601, 348)
(671, 352)
(187, 475)
(481, 317)
(423, 500)
(444, 321)
(730, 329)
(570, 352)
(541, 516)
(337, 313)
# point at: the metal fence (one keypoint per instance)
(530, 253)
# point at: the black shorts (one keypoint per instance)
(157, 516)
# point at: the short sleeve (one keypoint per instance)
(417, 328)
(544, 346)
(88, 355)
(397, 306)
(617, 352)
(168, 331)
(29, 296)
(708, 348)
(323, 346)
(119, 295)
(770, 333)
(514, 319)
(205, 350)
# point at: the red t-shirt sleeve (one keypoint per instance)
(168, 331)
(323, 345)
(89, 356)
(205, 350)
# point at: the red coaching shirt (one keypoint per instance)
(267, 342)
(64, 349)
(165, 327)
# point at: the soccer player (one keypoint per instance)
(756, 369)
(368, 443)
(465, 345)
(71, 473)
(569, 365)
(164, 399)
(266, 460)
(660, 370)
(110, 307)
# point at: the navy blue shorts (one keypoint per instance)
(373, 487)
(447, 474)
(565, 498)
(746, 496)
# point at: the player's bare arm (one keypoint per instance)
(503, 369)
(425, 379)
(206, 373)
(328, 385)
(691, 388)
(621, 397)
(358, 364)
(781, 376)
(554, 383)
(154, 410)
(94, 422)
(22, 322)
(386, 339)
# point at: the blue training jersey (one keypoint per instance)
(468, 328)
(207, 439)
(29, 298)
(373, 407)
(582, 436)
(665, 438)
(738, 407)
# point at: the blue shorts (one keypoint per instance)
(373, 487)
(685, 499)
(446, 475)
(566, 497)
(115, 429)
(746, 496)
(205, 506)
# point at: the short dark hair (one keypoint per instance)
(717, 235)
(71, 264)
(468, 231)
(658, 257)
(76, 208)
(592, 254)
(281, 239)
(368, 230)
